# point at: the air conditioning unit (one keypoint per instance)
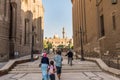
(114, 1)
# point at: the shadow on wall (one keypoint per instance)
(27, 42)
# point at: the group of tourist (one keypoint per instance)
(49, 69)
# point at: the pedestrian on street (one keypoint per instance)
(44, 66)
(42, 53)
(70, 57)
(58, 60)
(53, 51)
(51, 70)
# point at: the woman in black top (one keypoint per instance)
(44, 66)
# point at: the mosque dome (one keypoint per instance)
(56, 36)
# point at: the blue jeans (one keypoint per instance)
(44, 68)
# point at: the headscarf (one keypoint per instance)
(44, 54)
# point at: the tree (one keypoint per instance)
(47, 44)
(61, 46)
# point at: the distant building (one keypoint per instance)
(56, 40)
(17, 19)
(99, 21)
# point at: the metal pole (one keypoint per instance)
(32, 51)
(82, 52)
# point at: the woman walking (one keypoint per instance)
(44, 67)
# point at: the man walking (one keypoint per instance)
(70, 57)
(58, 60)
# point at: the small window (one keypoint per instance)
(114, 1)
(114, 22)
(102, 31)
(20, 39)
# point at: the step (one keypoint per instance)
(64, 67)
(64, 71)
(19, 72)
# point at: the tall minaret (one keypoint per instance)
(63, 32)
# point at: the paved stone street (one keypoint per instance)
(2, 64)
(81, 70)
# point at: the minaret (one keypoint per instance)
(63, 32)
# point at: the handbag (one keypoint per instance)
(40, 65)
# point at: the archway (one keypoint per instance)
(12, 29)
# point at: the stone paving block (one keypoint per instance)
(74, 76)
(106, 76)
(18, 76)
(7, 77)
(89, 74)
(2, 64)
(32, 76)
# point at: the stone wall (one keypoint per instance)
(16, 21)
(106, 36)
(4, 30)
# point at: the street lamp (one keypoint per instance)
(32, 50)
(81, 39)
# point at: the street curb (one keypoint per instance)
(104, 67)
(13, 63)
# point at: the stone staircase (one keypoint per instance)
(76, 67)
(80, 68)
(23, 68)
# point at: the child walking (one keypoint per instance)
(51, 70)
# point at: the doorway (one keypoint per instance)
(12, 30)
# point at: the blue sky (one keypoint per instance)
(58, 14)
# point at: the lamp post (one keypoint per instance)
(32, 50)
(81, 40)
